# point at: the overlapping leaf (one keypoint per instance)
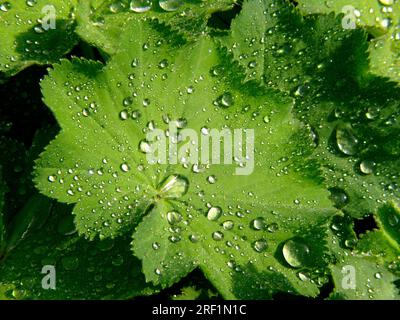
(83, 270)
(97, 162)
(27, 36)
(100, 21)
(381, 18)
(324, 67)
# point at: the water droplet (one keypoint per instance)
(5, 6)
(157, 272)
(386, 2)
(217, 236)
(252, 64)
(303, 276)
(378, 275)
(296, 253)
(345, 139)
(226, 100)
(211, 179)
(214, 213)
(156, 246)
(170, 5)
(193, 238)
(339, 197)
(145, 146)
(367, 166)
(393, 220)
(272, 227)
(51, 178)
(124, 167)
(31, 3)
(118, 260)
(127, 101)
(258, 224)
(173, 187)
(228, 225)
(140, 5)
(124, 115)
(116, 7)
(163, 64)
(260, 245)
(174, 217)
(70, 263)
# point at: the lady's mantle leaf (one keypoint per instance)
(83, 270)
(28, 35)
(100, 21)
(381, 18)
(250, 234)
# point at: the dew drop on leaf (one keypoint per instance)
(346, 140)
(174, 217)
(218, 236)
(258, 224)
(260, 245)
(367, 166)
(174, 187)
(170, 5)
(140, 5)
(296, 253)
(214, 213)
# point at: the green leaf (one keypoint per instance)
(366, 268)
(372, 280)
(278, 47)
(380, 18)
(96, 162)
(25, 41)
(83, 270)
(100, 21)
(389, 221)
(2, 226)
(352, 114)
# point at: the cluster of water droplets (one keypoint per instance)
(141, 6)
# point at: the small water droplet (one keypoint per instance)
(124, 167)
(226, 100)
(156, 245)
(258, 224)
(260, 245)
(211, 179)
(51, 178)
(140, 5)
(228, 225)
(214, 213)
(217, 236)
(174, 217)
(170, 5)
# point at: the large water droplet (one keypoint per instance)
(346, 140)
(174, 186)
(140, 5)
(367, 166)
(214, 213)
(296, 253)
(170, 5)
(386, 2)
